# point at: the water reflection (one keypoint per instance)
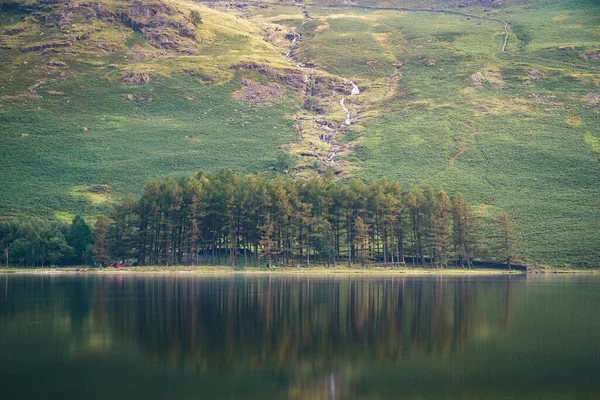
(314, 337)
(292, 322)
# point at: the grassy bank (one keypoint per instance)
(439, 105)
(207, 270)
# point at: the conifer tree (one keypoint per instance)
(507, 239)
(463, 232)
(80, 237)
(266, 242)
(100, 249)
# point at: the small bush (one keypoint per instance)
(195, 17)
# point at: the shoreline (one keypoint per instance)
(322, 271)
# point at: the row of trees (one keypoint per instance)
(36, 242)
(225, 217)
(228, 218)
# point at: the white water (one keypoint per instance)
(328, 138)
(355, 91)
(348, 120)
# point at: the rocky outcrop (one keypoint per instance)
(69, 12)
(48, 45)
(133, 78)
(292, 78)
(162, 25)
(594, 56)
(257, 94)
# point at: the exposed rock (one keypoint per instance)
(54, 63)
(70, 12)
(431, 63)
(565, 48)
(48, 45)
(535, 74)
(291, 77)
(490, 76)
(476, 79)
(162, 25)
(281, 36)
(107, 47)
(257, 94)
(132, 78)
(594, 55)
(14, 31)
(593, 98)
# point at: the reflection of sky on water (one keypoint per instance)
(304, 337)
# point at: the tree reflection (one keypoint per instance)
(303, 323)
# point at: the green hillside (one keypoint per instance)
(98, 96)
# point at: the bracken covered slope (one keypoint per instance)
(97, 96)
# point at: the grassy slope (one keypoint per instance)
(506, 145)
(80, 131)
(529, 149)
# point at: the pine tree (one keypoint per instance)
(507, 239)
(464, 230)
(266, 242)
(100, 249)
(440, 228)
(361, 239)
(80, 237)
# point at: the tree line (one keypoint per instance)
(223, 217)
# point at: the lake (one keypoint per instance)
(299, 337)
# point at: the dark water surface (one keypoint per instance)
(273, 337)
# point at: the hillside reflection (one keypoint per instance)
(292, 322)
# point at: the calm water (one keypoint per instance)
(118, 337)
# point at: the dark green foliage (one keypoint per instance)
(220, 217)
(100, 249)
(506, 239)
(80, 238)
(35, 243)
(195, 17)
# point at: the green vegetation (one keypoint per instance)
(512, 134)
(439, 105)
(38, 243)
(228, 218)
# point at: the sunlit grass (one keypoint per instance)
(529, 147)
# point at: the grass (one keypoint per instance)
(125, 142)
(513, 143)
(526, 149)
(340, 270)
(224, 270)
(83, 127)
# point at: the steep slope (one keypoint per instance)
(96, 96)
(112, 92)
(442, 104)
